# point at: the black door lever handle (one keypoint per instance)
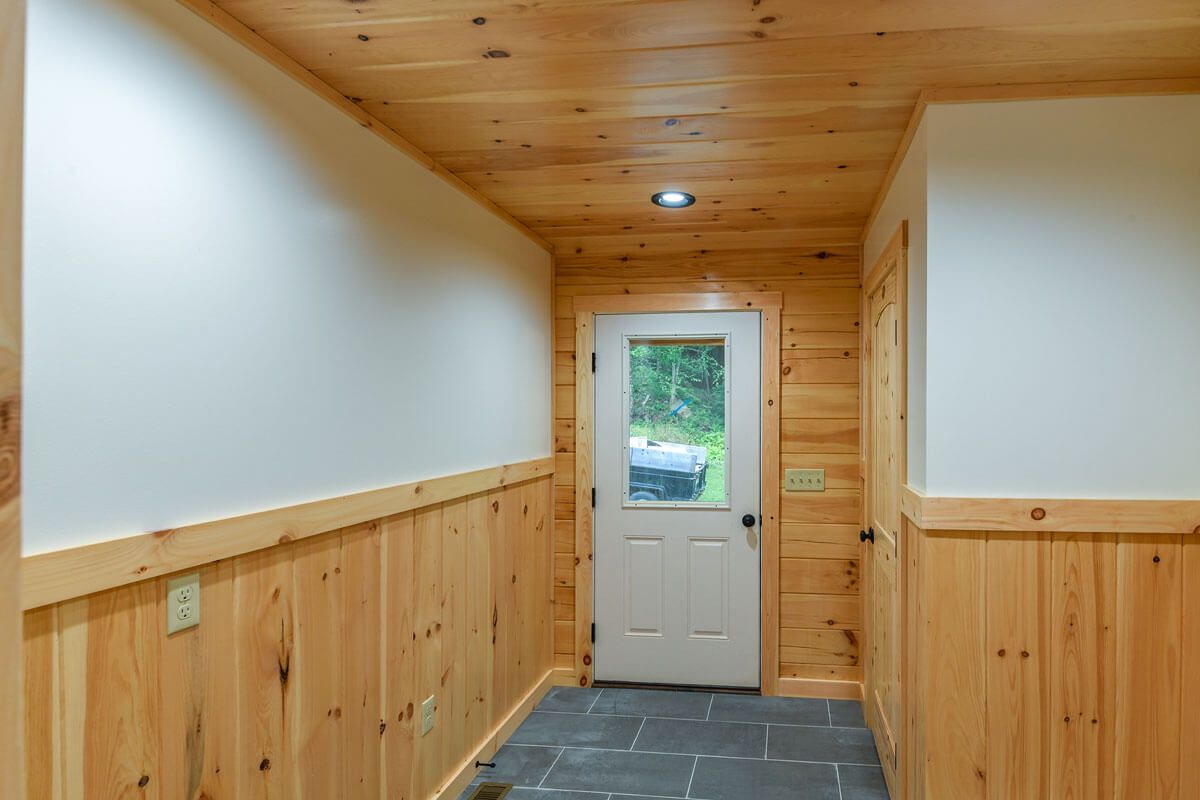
(867, 535)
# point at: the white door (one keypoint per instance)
(677, 414)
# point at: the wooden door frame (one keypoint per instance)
(770, 305)
(12, 90)
(894, 252)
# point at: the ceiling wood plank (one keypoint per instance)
(783, 117)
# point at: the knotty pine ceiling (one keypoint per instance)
(781, 116)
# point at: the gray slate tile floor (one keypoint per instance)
(635, 744)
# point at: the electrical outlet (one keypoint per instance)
(183, 602)
(804, 480)
(428, 711)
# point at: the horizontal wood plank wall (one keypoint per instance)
(820, 606)
(1054, 665)
(306, 675)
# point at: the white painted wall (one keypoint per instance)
(1063, 297)
(906, 201)
(238, 299)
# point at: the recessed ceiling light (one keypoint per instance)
(673, 199)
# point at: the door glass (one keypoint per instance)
(676, 413)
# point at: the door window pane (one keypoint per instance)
(676, 407)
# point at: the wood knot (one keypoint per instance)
(497, 54)
(142, 781)
(1157, 558)
(587, 660)
(1038, 513)
(284, 539)
(382, 728)
(480, 20)
(1024, 654)
(496, 506)
(409, 710)
(583, 681)
(264, 765)
(335, 712)
(1000, 652)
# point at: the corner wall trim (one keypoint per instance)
(500, 733)
(64, 574)
(1058, 515)
(246, 36)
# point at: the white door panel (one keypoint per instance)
(676, 572)
(708, 588)
(645, 580)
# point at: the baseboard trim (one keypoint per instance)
(65, 574)
(501, 731)
(829, 690)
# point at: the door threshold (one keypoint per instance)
(675, 687)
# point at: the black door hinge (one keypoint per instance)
(593, 362)
(593, 633)
(593, 497)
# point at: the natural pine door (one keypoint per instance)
(885, 454)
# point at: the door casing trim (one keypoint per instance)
(770, 305)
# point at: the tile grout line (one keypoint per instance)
(767, 743)
(837, 771)
(829, 712)
(688, 792)
(639, 733)
(553, 764)
(708, 715)
(692, 755)
(697, 719)
(594, 701)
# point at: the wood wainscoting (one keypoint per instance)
(819, 602)
(1047, 664)
(306, 674)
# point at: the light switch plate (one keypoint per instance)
(804, 480)
(183, 602)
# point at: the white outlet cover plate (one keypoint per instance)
(428, 710)
(183, 591)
